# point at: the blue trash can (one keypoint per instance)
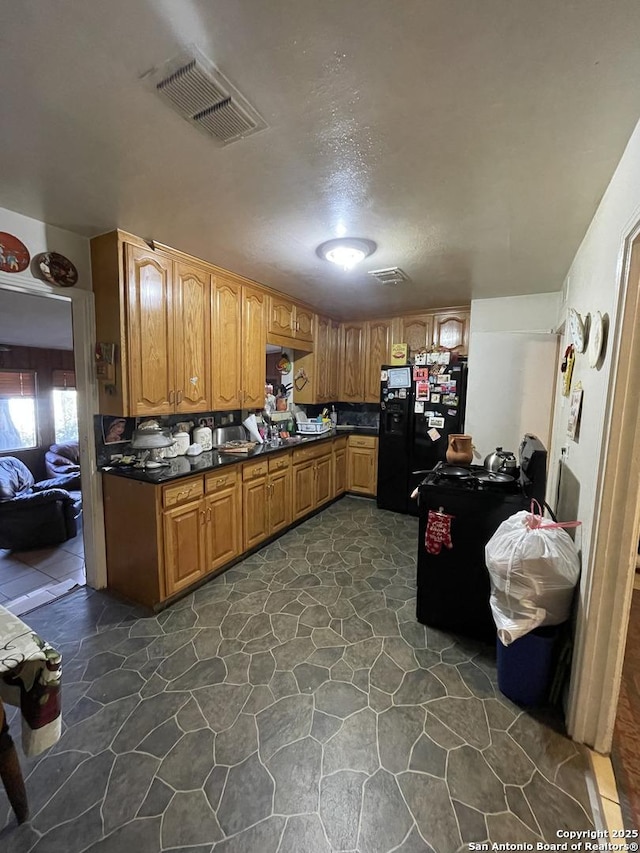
(525, 667)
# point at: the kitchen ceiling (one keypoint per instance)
(472, 141)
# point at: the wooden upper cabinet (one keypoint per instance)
(192, 337)
(378, 352)
(289, 320)
(333, 389)
(226, 337)
(322, 356)
(416, 331)
(150, 340)
(352, 366)
(303, 324)
(254, 343)
(282, 316)
(451, 330)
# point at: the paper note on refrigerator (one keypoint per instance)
(418, 407)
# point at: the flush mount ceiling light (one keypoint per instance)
(346, 252)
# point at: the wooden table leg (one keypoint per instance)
(11, 772)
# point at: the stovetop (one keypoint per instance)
(439, 477)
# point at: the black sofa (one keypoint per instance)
(35, 515)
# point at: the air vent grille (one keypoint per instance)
(390, 276)
(200, 93)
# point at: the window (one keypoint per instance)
(65, 406)
(18, 425)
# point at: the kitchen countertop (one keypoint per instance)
(187, 466)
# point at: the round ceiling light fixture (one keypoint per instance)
(346, 252)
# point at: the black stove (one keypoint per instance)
(475, 478)
(462, 509)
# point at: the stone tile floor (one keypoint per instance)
(31, 578)
(293, 704)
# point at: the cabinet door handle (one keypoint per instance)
(172, 397)
(208, 514)
(202, 516)
(179, 400)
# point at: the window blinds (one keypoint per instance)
(17, 383)
(64, 379)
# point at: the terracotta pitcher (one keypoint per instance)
(460, 449)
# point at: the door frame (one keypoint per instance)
(603, 617)
(84, 340)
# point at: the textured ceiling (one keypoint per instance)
(472, 141)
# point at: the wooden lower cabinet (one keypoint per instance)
(312, 479)
(279, 500)
(184, 546)
(303, 488)
(161, 540)
(223, 527)
(339, 467)
(362, 465)
(266, 505)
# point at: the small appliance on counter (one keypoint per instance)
(202, 435)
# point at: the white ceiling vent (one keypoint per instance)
(195, 88)
(389, 276)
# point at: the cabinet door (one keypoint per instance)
(303, 489)
(304, 324)
(226, 337)
(333, 390)
(339, 472)
(361, 470)
(451, 331)
(416, 332)
(223, 531)
(322, 358)
(282, 319)
(378, 351)
(323, 472)
(254, 343)
(192, 338)
(352, 368)
(150, 332)
(279, 500)
(255, 514)
(183, 545)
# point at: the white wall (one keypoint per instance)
(512, 364)
(593, 284)
(40, 237)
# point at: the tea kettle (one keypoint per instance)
(501, 461)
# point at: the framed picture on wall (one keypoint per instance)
(575, 409)
(116, 430)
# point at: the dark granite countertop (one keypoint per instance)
(187, 466)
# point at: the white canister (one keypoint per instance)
(202, 436)
(182, 442)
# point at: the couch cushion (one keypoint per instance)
(62, 459)
(15, 478)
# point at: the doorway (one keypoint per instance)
(85, 553)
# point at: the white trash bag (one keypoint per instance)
(533, 566)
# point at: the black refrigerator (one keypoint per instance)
(420, 405)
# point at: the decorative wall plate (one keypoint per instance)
(14, 255)
(576, 330)
(56, 269)
(596, 340)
